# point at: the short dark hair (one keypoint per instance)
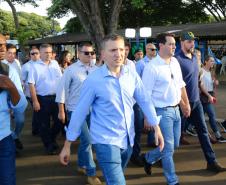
(112, 37)
(127, 44)
(10, 46)
(82, 44)
(161, 38)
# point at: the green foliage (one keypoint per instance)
(31, 25)
(74, 26)
(6, 22)
(160, 12)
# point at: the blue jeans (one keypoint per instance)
(210, 111)
(7, 161)
(139, 125)
(19, 124)
(197, 117)
(170, 125)
(112, 161)
(85, 155)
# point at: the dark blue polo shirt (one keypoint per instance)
(190, 72)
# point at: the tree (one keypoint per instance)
(100, 17)
(30, 25)
(12, 6)
(95, 22)
(216, 8)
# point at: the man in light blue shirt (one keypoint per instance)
(43, 78)
(11, 98)
(110, 91)
(67, 95)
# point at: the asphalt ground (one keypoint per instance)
(34, 167)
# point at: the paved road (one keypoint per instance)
(36, 168)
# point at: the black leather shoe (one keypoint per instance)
(50, 150)
(215, 167)
(18, 144)
(147, 166)
(137, 161)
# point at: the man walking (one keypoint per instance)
(43, 79)
(163, 81)
(111, 96)
(67, 95)
(190, 72)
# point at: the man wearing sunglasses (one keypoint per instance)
(43, 79)
(67, 95)
(11, 98)
(34, 57)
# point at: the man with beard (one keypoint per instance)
(190, 71)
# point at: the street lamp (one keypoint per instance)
(144, 32)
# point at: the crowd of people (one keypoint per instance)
(108, 104)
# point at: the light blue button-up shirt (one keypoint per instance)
(141, 64)
(111, 98)
(68, 90)
(6, 105)
(45, 77)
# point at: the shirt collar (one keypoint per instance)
(106, 71)
(83, 65)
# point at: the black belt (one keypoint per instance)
(47, 96)
(172, 106)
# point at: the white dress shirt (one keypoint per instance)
(163, 82)
(68, 90)
(16, 65)
(45, 77)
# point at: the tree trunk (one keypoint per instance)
(15, 17)
(90, 15)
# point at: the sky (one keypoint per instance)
(41, 10)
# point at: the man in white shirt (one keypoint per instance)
(67, 95)
(11, 60)
(25, 69)
(43, 79)
(127, 61)
(164, 84)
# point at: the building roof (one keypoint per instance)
(203, 31)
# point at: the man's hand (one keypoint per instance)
(211, 99)
(61, 116)
(65, 153)
(159, 140)
(186, 109)
(36, 106)
(8, 85)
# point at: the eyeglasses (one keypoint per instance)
(88, 52)
(153, 49)
(35, 53)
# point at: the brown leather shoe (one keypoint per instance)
(183, 141)
(81, 171)
(212, 139)
(215, 167)
(94, 180)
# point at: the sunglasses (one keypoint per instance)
(88, 52)
(35, 53)
(153, 49)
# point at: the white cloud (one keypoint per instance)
(41, 10)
